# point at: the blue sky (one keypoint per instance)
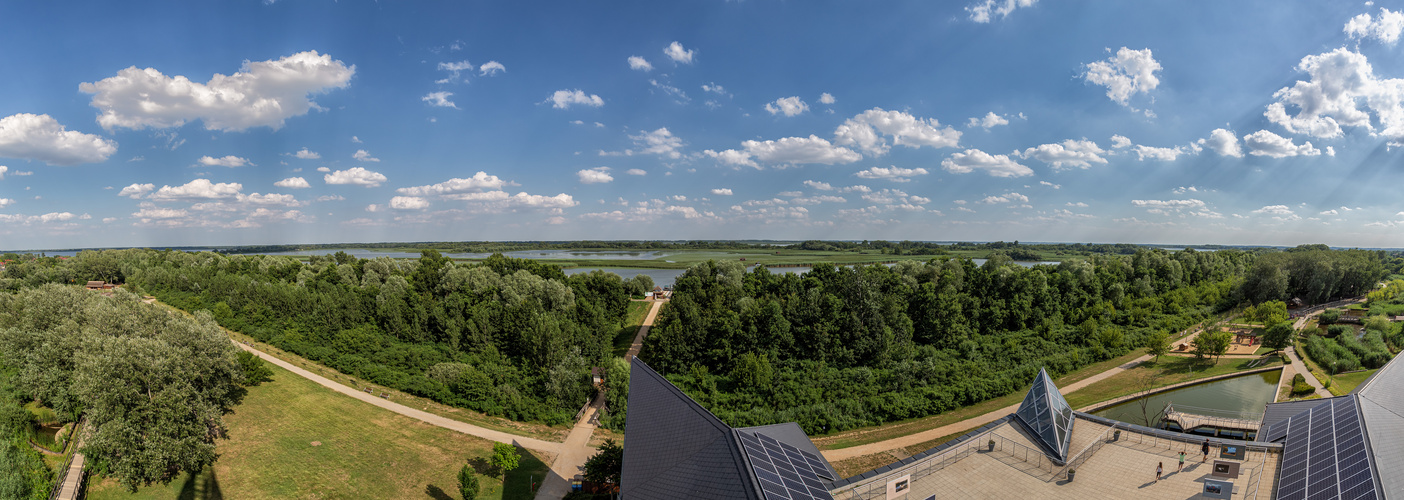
(303, 121)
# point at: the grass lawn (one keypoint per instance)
(638, 310)
(1170, 370)
(1344, 383)
(292, 438)
(529, 429)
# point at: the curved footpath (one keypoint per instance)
(426, 417)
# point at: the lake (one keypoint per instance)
(1247, 395)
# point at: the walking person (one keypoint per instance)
(1205, 449)
(1182, 462)
(1159, 468)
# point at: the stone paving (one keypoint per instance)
(1117, 470)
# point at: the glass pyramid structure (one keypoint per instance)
(1047, 415)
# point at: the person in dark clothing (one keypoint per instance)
(1205, 449)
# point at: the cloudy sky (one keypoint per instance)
(300, 121)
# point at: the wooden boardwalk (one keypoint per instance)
(1189, 421)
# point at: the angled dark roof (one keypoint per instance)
(791, 434)
(1047, 415)
(676, 448)
(1382, 405)
(1277, 412)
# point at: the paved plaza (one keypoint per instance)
(1117, 470)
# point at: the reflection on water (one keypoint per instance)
(1246, 395)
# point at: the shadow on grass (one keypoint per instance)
(201, 486)
(436, 493)
(521, 483)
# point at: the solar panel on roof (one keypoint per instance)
(1324, 454)
(785, 472)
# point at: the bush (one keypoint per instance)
(254, 369)
(468, 483)
(1300, 385)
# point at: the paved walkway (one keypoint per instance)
(426, 417)
(1300, 367)
(971, 423)
(570, 459)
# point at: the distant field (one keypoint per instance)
(682, 259)
(292, 438)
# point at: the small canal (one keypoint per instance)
(1238, 397)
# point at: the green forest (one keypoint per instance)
(846, 347)
(507, 337)
(153, 384)
(834, 349)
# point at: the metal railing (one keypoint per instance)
(1086, 453)
(876, 486)
(1175, 445)
(1190, 417)
(1258, 478)
(79, 432)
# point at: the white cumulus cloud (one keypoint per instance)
(355, 175)
(995, 165)
(1265, 143)
(1125, 74)
(597, 175)
(826, 98)
(988, 121)
(1070, 153)
(636, 171)
(1341, 81)
(1144, 153)
(677, 53)
(869, 131)
(798, 150)
(478, 183)
(196, 189)
(564, 99)
(439, 99)
(722, 191)
(1224, 142)
(1120, 141)
(260, 94)
(227, 161)
(789, 106)
(984, 11)
(42, 138)
(491, 68)
(408, 203)
(135, 191)
(639, 63)
(894, 173)
(304, 154)
(1385, 28)
(363, 155)
(293, 183)
(733, 157)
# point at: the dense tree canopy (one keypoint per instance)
(154, 384)
(508, 337)
(843, 347)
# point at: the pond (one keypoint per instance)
(1247, 395)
